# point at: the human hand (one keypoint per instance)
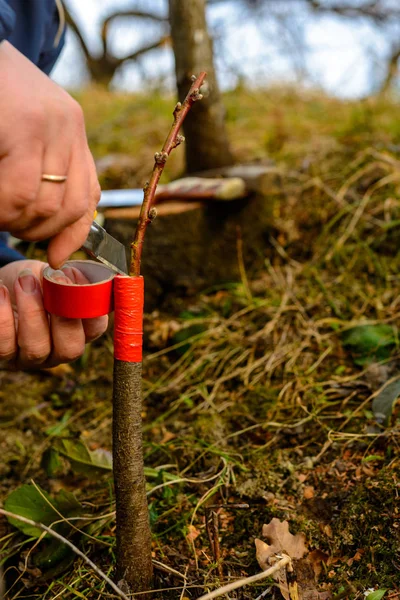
(42, 130)
(29, 337)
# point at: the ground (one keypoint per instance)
(262, 397)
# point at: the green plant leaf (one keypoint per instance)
(369, 343)
(51, 462)
(83, 460)
(382, 404)
(101, 458)
(377, 595)
(32, 502)
(60, 427)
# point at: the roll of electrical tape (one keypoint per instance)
(83, 301)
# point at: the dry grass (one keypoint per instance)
(254, 407)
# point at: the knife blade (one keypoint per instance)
(101, 245)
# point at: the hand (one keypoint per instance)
(29, 338)
(42, 130)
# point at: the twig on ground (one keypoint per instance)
(212, 527)
(286, 560)
(62, 539)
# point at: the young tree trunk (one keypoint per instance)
(134, 562)
(207, 143)
(133, 529)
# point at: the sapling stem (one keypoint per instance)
(160, 158)
(133, 553)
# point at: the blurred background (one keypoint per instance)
(349, 48)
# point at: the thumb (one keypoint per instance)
(68, 241)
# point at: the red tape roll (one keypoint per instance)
(128, 318)
(82, 301)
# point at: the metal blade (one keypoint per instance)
(119, 198)
(99, 244)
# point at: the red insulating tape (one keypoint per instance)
(128, 318)
(81, 301)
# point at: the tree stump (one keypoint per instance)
(192, 246)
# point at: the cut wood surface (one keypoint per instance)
(172, 207)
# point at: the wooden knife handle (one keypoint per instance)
(200, 188)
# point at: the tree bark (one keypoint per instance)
(207, 143)
(392, 71)
(133, 529)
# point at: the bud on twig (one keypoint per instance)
(147, 213)
(177, 109)
(179, 140)
(160, 158)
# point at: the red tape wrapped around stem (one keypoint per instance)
(128, 318)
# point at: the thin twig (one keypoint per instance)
(62, 539)
(247, 580)
(160, 158)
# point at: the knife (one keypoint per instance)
(102, 246)
(188, 188)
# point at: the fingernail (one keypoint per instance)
(3, 293)
(27, 281)
(59, 276)
(76, 276)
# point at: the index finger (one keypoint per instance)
(73, 237)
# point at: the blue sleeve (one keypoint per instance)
(7, 254)
(7, 20)
(35, 27)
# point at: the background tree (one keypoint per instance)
(102, 67)
(283, 23)
(207, 143)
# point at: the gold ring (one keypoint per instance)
(54, 178)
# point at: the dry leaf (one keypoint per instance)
(308, 492)
(192, 534)
(60, 371)
(302, 585)
(316, 558)
(328, 531)
(281, 540)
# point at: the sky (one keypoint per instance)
(343, 58)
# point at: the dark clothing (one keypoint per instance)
(7, 254)
(36, 28)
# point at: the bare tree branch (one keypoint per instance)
(144, 49)
(137, 14)
(75, 28)
(375, 10)
(392, 70)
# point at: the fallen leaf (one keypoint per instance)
(281, 540)
(192, 534)
(308, 492)
(316, 558)
(306, 566)
(60, 371)
(328, 531)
